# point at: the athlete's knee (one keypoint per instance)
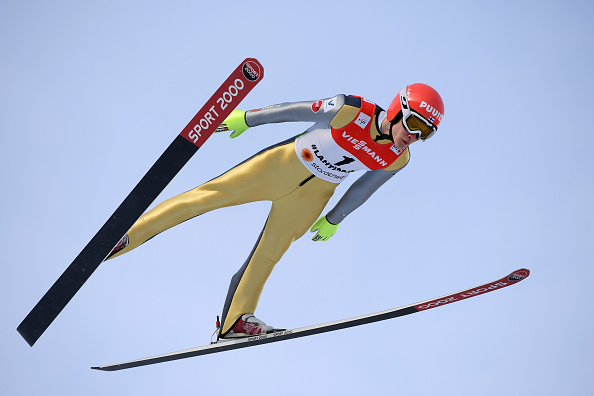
(207, 197)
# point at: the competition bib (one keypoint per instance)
(331, 154)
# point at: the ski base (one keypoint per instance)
(508, 280)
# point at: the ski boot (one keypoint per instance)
(121, 244)
(247, 325)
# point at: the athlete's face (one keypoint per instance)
(402, 138)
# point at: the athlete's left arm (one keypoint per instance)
(358, 193)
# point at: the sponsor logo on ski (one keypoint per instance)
(433, 304)
(251, 71)
(282, 333)
(258, 337)
(480, 290)
(270, 335)
(210, 117)
(463, 295)
(207, 120)
(517, 276)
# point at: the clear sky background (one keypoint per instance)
(91, 93)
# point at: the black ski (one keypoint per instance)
(243, 79)
(508, 280)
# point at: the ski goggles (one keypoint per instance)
(413, 121)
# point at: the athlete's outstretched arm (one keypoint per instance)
(336, 111)
(358, 193)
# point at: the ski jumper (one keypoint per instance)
(298, 176)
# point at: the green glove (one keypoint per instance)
(235, 122)
(324, 229)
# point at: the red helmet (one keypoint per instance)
(420, 99)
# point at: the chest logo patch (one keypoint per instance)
(396, 149)
(307, 155)
(362, 120)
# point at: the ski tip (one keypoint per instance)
(252, 69)
(519, 275)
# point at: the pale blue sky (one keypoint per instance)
(91, 93)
